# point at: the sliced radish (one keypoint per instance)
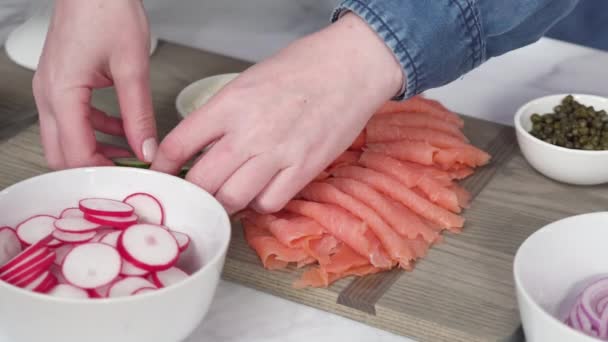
(105, 206)
(143, 290)
(10, 246)
(183, 240)
(35, 228)
(73, 237)
(47, 285)
(39, 280)
(168, 277)
(101, 233)
(26, 253)
(128, 269)
(126, 286)
(71, 212)
(149, 246)
(147, 207)
(111, 239)
(91, 265)
(25, 263)
(102, 292)
(54, 243)
(61, 252)
(32, 270)
(56, 271)
(116, 222)
(68, 291)
(76, 225)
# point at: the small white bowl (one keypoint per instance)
(169, 314)
(198, 93)
(562, 164)
(550, 269)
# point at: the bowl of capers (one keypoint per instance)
(565, 137)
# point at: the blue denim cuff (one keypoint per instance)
(434, 41)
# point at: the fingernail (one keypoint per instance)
(149, 148)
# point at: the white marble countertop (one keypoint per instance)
(493, 92)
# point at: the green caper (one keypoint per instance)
(536, 118)
(583, 130)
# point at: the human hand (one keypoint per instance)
(281, 122)
(94, 44)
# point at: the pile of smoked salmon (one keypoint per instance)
(381, 204)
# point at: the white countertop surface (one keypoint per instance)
(493, 91)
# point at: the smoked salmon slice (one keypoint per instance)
(396, 246)
(345, 227)
(271, 252)
(400, 218)
(420, 120)
(432, 189)
(288, 229)
(359, 141)
(346, 158)
(419, 104)
(420, 152)
(400, 192)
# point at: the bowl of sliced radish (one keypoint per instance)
(108, 254)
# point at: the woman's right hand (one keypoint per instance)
(94, 44)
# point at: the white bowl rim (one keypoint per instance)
(180, 96)
(524, 292)
(523, 109)
(109, 301)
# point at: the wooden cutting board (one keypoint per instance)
(462, 291)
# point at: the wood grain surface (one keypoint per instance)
(462, 291)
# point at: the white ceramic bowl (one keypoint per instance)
(550, 269)
(559, 163)
(167, 315)
(198, 93)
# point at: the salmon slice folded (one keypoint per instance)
(420, 120)
(419, 104)
(346, 158)
(420, 152)
(396, 246)
(402, 193)
(271, 252)
(346, 228)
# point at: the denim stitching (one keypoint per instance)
(472, 45)
(482, 42)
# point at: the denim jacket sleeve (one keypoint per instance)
(437, 41)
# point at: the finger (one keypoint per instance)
(247, 182)
(188, 138)
(281, 190)
(111, 151)
(217, 165)
(49, 135)
(76, 134)
(106, 124)
(133, 91)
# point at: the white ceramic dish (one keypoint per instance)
(550, 269)
(559, 163)
(198, 93)
(167, 315)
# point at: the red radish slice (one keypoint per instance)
(149, 246)
(25, 263)
(111, 239)
(61, 252)
(47, 285)
(101, 233)
(116, 222)
(10, 246)
(56, 271)
(102, 292)
(126, 286)
(76, 225)
(68, 291)
(143, 290)
(39, 280)
(54, 243)
(32, 269)
(26, 253)
(128, 269)
(73, 237)
(169, 277)
(71, 212)
(35, 228)
(147, 207)
(183, 240)
(91, 265)
(106, 207)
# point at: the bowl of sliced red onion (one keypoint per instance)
(561, 279)
(108, 254)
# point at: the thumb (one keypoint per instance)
(133, 91)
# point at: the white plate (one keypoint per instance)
(198, 93)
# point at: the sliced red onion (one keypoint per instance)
(590, 298)
(601, 305)
(589, 314)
